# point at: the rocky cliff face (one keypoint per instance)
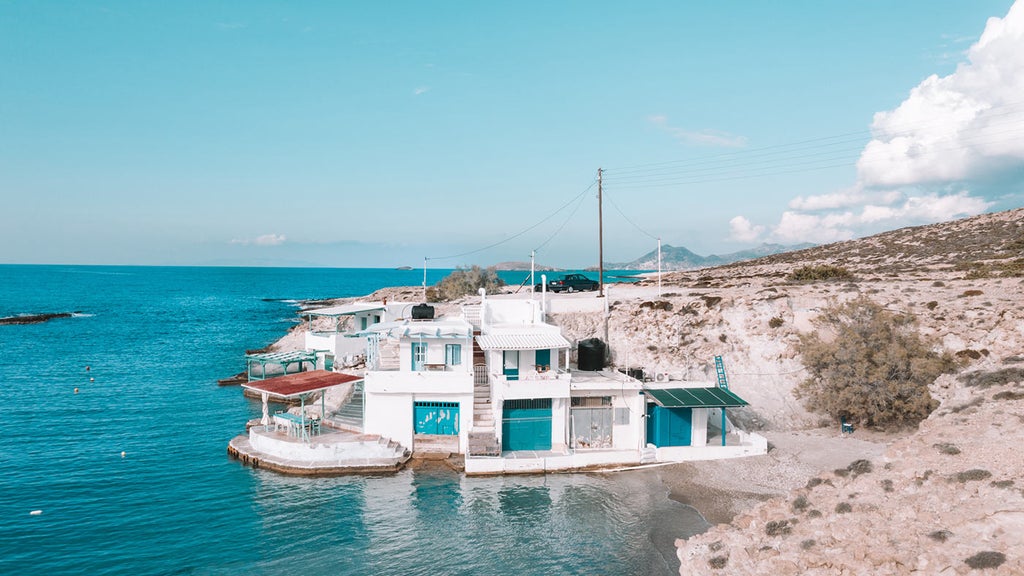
(947, 498)
(967, 298)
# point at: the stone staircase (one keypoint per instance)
(483, 441)
(350, 415)
(395, 448)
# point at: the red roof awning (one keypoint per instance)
(295, 385)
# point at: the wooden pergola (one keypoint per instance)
(300, 386)
(282, 359)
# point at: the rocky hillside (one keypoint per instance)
(962, 280)
(946, 498)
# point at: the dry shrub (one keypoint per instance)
(464, 281)
(869, 365)
(987, 559)
(775, 322)
(973, 475)
(817, 273)
(778, 528)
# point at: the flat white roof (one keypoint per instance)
(439, 328)
(522, 341)
(344, 310)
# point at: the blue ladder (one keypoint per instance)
(723, 382)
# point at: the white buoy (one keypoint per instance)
(92, 379)
(123, 453)
(35, 513)
(76, 390)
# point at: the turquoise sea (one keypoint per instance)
(156, 340)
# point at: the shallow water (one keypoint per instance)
(156, 340)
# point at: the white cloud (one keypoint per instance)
(420, 90)
(795, 227)
(843, 199)
(960, 126)
(741, 230)
(703, 137)
(264, 240)
(934, 157)
(893, 209)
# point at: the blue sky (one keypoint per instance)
(377, 134)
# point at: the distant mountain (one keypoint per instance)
(679, 258)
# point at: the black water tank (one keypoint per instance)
(590, 355)
(422, 312)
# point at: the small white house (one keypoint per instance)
(419, 382)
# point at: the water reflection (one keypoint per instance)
(525, 504)
(433, 520)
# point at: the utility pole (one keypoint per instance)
(600, 239)
(533, 253)
(659, 267)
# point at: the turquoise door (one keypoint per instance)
(543, 360)
(510, 364)
(419, 356)
(526, 425)
(669, 426)
(436, 418)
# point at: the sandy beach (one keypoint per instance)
(722, 489)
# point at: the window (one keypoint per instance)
(453, 354)
(419, 355)
(590, 401)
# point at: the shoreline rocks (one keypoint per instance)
(23, 319)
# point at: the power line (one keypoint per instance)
(727, 173)
(787, 151)
(517, 234)
(571, 214)
(623, 214)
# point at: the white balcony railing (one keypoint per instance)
(531, 385)
(408, 382)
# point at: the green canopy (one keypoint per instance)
(711, 397)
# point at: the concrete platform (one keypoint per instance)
(329, 454)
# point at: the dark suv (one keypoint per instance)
(569, 283)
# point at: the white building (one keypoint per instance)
(494, 383)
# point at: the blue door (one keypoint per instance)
(543, 360)
(419, 356)
(510, 364)
(526, 424)
(436, 418)
(669, 426)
